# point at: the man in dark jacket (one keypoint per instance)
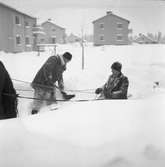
(44, 81)
(8, 97)
(117, 85)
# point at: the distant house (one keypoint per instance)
(15, 30)
(111, 30)
(72, 38)
(53, 33)
(143, 39)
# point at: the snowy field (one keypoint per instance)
(121, 133)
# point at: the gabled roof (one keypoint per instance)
(72, 35)
(13, 9)
(110, 14)
(49, 22)
(144, 38)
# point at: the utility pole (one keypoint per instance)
(82, 47)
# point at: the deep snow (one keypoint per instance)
(95, 133)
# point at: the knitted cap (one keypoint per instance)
(67, 56)
(116, 66)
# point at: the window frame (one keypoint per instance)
(17, 18)
(100, 36)
(27, 44)
(53, 39)
(119, 35)
(118, 27)
(101, 26)
(28, 25)
(16, 37)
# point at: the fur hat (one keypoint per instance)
(116, 66)
(67, 56)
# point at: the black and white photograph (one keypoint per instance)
(82, 83)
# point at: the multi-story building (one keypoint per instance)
(16, 27)
(52, 33)
(111, 30)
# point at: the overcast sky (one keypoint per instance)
(144, 15)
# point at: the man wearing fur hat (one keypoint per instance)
(117, 85)
(45, 79)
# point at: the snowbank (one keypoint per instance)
(99, 134)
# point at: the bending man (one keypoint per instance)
(45, 79)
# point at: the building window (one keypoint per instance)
(53, 40)
(119, 25)
(27, 24)
(27, 41)
(18, 39)
(101, 37)
(53, 29)
(17, 20)
(42, 40)
(102, 26)
(119, 37)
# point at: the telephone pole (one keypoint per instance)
(82, 47)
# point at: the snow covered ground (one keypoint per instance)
(127, 133)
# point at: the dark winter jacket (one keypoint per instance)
(116, 87)
(49, 73)
(8, 99)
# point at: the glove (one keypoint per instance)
(98, 90)
(63, 93)
(67, 96)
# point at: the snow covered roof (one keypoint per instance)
(110, 14)
(50, 22)
(143, 38)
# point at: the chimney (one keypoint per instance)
(109, 12)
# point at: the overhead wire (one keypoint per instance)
(88, 91)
